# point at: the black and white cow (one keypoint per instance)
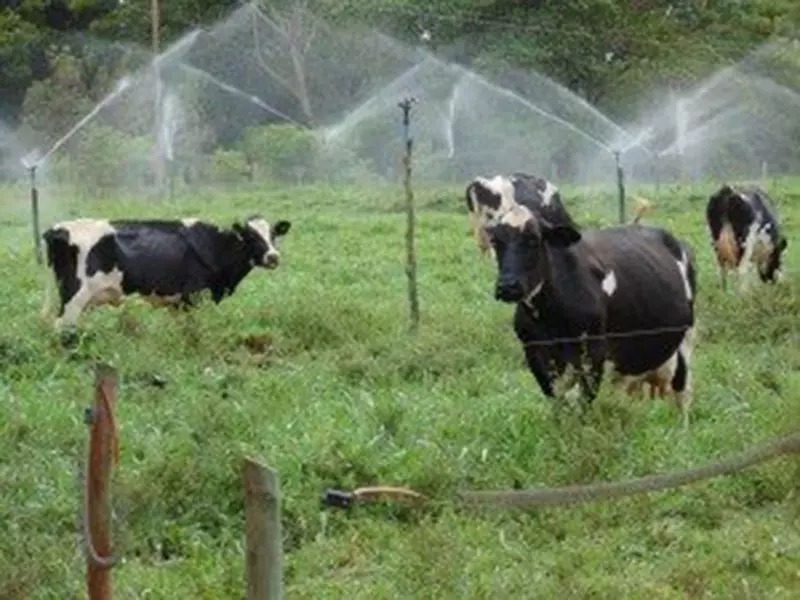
(99, 261)
(487, 199)
(745, 231)
(604, 286)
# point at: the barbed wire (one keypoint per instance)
(608, 335)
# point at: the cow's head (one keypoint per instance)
(260, 238)
(772, 269)
(522, 243)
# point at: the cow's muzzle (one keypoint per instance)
(271, 261)
(508, 291)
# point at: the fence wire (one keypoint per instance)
(608, 335)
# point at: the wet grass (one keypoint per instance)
(312, 369)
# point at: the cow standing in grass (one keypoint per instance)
(620, 294)
(97, 261)
(489, 200)
(745, 231)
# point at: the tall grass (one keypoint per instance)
(311, 367)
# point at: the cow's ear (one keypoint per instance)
(281, 228)
(782, 243)
(239, 228)
(559, 235)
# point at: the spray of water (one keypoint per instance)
(239, 93)
(170, 120)
(451, 119)
(122, 85)
(535, 108)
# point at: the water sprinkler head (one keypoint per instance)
(31, 159)
(406, 102)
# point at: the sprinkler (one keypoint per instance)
(405, 105)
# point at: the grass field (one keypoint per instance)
(311, 369)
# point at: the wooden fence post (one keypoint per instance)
(103, 449)
(263, 535)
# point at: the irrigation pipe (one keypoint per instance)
(576, 494)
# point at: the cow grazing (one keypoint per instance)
(489, 198)
(745, 231)
(603, 287)
(98, 261)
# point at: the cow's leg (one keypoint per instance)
(72, 310)
(540, 370)
(723, 276)
(682, 377)
(744, 269)
(592, 373)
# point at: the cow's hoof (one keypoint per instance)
(69, 339)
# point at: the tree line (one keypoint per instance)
(609, 52)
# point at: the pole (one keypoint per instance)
(37, 242)
(263, 536)
(103, 449)
(620, 186)
(411, 257)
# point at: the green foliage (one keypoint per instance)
(231, 166)
(310, 368)
(106, 159)
(54, 105)
(17, 42)
(280, 152)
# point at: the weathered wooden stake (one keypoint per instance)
(263, 535)
(103, 449)
(411, 256)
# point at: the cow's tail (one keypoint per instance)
(725, 247)
(641, 207)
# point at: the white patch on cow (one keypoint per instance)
(84, 233)
(263, 229)
(683, 267)
(549, 191)
(97, 290)
(763, 248)
(189, 222)
(503, 187)
(482, 215)
(609, 283)
(100, 288)
(517, 217)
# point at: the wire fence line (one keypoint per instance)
(634, 333)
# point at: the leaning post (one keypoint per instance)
(103, 453)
